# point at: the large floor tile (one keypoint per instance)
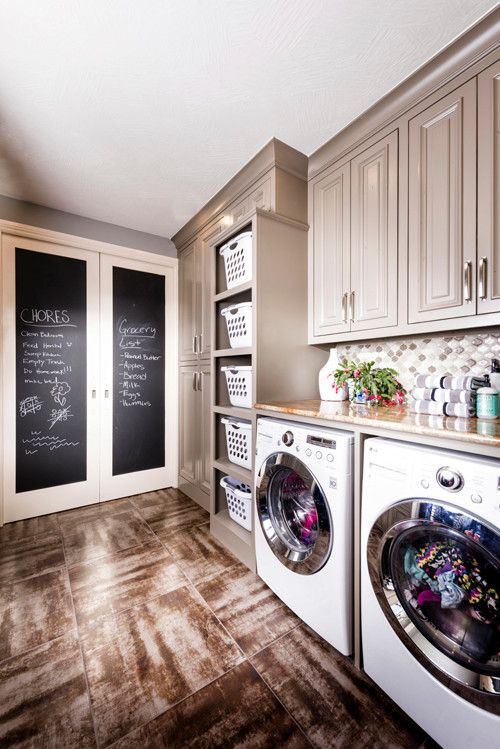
(336, 705)
(33, 611)
(98, 510)
(119, 581)
(167, 511)
(249, 610)
(152, 656)
(198, 553)
(236, 710)
(44, 700)
(91, 539)
(40, 526)
(30, 556)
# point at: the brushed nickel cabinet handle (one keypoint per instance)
(200, 381)
(200, 347)
(344, 306)
(483, 269)
(194, 380)
(106, 393)
(352, 306)
(194, 345)
(468, 281)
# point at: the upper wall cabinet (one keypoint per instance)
(488, 225)
(195, 289)
(353, 260)
(331, 252)
(442, 208)
(187, 302)
(374, 236)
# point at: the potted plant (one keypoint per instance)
(370, 384)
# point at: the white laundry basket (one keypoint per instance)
(239, 501)
(239, 385)
(237, 254)
(239, 324)
(239, 441)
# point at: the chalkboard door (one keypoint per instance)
(138, 434)
(50, 360)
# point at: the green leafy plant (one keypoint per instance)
(378, 384)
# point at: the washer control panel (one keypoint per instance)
(449, 479)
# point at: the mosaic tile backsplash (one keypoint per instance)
(441, 353)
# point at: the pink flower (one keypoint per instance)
(336, 388)
(356, 374)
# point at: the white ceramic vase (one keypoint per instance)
(327, 388)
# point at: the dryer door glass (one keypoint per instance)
(449, 587)
(294, 514)
(436, 573)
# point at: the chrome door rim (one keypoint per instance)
(300, 562)
(480, 687)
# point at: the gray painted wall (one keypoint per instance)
(48, 218)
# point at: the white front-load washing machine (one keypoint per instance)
(430, 587)
(303, 528)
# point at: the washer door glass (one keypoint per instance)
(294, 514)
(449, 588)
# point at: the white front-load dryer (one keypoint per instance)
(303, 528)
(430, 587)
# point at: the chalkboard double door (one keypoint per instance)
(88, 383)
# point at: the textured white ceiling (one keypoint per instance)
(137, 112)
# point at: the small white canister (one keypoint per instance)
(487, 403)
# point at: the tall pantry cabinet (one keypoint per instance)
(269, 195)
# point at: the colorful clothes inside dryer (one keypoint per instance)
(453, 575)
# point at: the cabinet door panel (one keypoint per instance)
(331, 252)
(488, 169)
(374, 235)
(187, 303)
(206, 289)
(188, 424)
(442, 208)
(205, 428)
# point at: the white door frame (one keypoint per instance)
(25, 231)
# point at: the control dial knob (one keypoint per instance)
(449, 479)
(287, 439)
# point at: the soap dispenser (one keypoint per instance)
(495, 375)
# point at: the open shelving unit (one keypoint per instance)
(283, 365)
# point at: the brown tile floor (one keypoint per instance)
(127, 624)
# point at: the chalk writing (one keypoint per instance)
(30, 405)
(138, 370)
(59, 414)
(51, 367)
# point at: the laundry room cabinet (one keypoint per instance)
(194, 302)
(194, 414)
(442, 208)
(404, 209)
(488, 223)
(353, 264)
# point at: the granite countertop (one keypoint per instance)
(393, 418)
